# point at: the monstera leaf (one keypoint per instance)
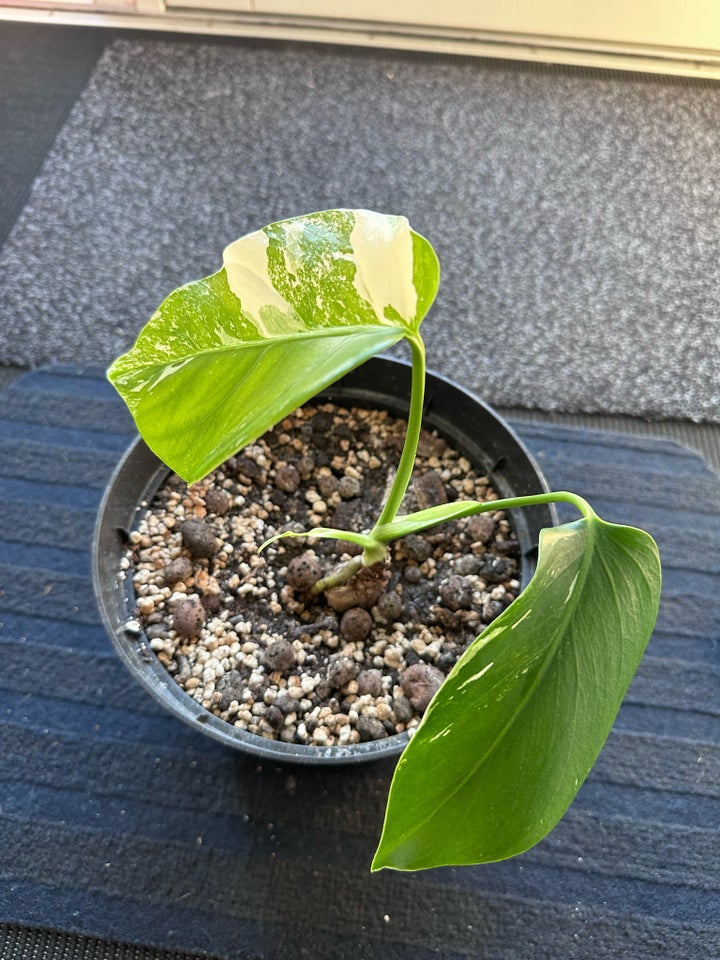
(295, 306)
(518, 723)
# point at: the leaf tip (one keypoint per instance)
(396, 852)
(382, 860)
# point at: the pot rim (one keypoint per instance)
(139, 465)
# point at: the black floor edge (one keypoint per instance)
(37, 943)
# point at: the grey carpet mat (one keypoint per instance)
(123, 825)
(576, 215)
(43, 70)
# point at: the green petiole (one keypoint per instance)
(389, 526)
(412, 437)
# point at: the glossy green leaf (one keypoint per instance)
(514, 730)
(295, 306)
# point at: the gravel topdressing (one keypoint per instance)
(237, 629)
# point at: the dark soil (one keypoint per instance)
(238, 630)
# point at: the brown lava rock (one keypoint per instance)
(189, 618)
(496, 569)
(389, 606)
(403, 708)
(456, 593)
(199, 538)
(412, 574)
(341, 670)
(370, 728)
(481, 528)
(430, 445)
(349, 488)
(280, 656)
(420, 683)
(305, 467)
(177, 571)
(287, 478)
(217, 501)
(231, 687)
(249, 470)
(370, 682)
(327, 485)
(417, 548)
(429, 490)
(356, 624)
(275, 717)
(303, 571)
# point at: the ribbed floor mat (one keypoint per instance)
(120, 824)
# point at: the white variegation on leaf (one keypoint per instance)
(295, 306)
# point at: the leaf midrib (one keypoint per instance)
(232, 389)
(240, 345)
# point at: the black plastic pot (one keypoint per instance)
(473, 428)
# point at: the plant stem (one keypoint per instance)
(402, 475)
(555, 496)
(385, 530)
(336, 577)
(412, 437)
(424, 519)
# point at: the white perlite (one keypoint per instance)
(266, 659)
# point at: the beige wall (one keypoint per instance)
(676, 23)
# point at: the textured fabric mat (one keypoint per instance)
(43, 69)
(120, 823)
(31, 943)
(576, 214)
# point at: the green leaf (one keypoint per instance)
(517, 725)
(295, 306)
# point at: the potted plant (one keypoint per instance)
(515, 727)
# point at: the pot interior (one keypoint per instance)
(468, 424)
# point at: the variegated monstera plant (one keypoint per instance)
(517, 725)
